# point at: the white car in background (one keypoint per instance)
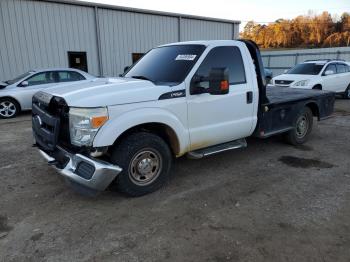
(331, 75)
(16, 94)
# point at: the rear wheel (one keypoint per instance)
(346, 94)
(302, 128)
(9, 108)
(146, 161)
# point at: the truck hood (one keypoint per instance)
(107, 92)
(293, 77)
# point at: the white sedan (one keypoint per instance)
(16, 94)
(331, 75)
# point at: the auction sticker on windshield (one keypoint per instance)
(186, 57)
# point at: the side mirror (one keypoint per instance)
(219, 83)
(285, 71)
(126, 68)
(24, 84)
(329, 72)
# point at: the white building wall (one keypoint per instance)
(38, 34)
(192, 29)
(123, 33)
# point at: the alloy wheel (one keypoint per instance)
(7, 109)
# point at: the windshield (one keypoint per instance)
(166, 65)
(10, 82)
(306, 69)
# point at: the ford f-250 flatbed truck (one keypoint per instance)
(196, 98)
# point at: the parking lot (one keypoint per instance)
(269, 202)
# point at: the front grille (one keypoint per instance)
(59, 108)
(45, 128)
(49, 121)
(283, 82)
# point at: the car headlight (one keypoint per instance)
(302, 83)
(84, 124)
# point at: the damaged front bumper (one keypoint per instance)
(92, 174)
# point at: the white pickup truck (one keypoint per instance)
(196, 98)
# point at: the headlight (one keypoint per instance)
(302, 83)
(84, 124)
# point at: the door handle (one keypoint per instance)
(249, 97)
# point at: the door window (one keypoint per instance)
(224, 56)
(69, 76)
(43, 78)
(341, 68)
(331, 67)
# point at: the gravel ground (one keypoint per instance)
(268, 202)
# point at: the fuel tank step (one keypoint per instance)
(212, 150)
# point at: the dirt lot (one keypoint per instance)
(269, 202)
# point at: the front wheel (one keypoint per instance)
(346, 94)
(302, 128)
(146, 162)
(9, 108)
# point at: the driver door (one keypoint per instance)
(215, 119)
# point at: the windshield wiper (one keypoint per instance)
(142, 78)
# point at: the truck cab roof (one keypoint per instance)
(206, 43)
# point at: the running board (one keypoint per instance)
(212, 150)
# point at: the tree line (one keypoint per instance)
(303, 31)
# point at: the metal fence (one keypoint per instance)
(279, 61)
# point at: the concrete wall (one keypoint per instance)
(278, 61)
(38, 34)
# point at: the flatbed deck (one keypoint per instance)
(282, 95)
(284, 104)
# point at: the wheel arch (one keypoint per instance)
(160, 129)
(159, 122)
(317, 86)
(314, 109)
(14, 99)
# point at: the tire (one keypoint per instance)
(146, 161)
(9, 108)
(302, 128)
(346, 94)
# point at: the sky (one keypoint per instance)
(243, 10)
